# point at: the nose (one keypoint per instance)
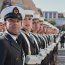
(16, 20)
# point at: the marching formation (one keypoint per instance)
(26, 39)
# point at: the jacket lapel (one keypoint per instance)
(12, 42)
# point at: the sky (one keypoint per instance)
(50, 5)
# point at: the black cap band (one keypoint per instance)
(12, 15)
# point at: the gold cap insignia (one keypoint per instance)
(15, 10)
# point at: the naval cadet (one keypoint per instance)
(41, 20)
(27, 41)
(35, 29)
(11, 53)
(25, 38)
(2, 27)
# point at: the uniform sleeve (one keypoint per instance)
(2, 53)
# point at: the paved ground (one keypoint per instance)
(61, 56)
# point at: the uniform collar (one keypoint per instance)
(22, 30)
(14, 37)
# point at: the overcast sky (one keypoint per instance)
(50, 5)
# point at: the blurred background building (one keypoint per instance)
(25, 4)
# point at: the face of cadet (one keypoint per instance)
(1, 27)
(13, 25)
(41, 28)
(44, 29)
(27, 23)
(35, 25)
(38, 26)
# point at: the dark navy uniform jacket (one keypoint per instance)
(33, 46)
(10, 52)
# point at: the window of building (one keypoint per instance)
(50, 14)
(54, 15)
(46, 15)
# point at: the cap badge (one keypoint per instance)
(15, 10)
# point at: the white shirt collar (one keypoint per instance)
(14, 37)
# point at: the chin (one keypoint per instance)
(16, 32)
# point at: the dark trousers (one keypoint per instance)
(46, 61)
(62, 45)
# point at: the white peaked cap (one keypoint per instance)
(1, 21)
(9, 9)
(36, 16)
(50, 25)
(29, 12)
(41, 18)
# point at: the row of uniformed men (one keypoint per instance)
(26, 40)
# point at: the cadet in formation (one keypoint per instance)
(11, 53)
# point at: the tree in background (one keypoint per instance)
(53, 22)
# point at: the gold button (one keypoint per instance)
(17, 58)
